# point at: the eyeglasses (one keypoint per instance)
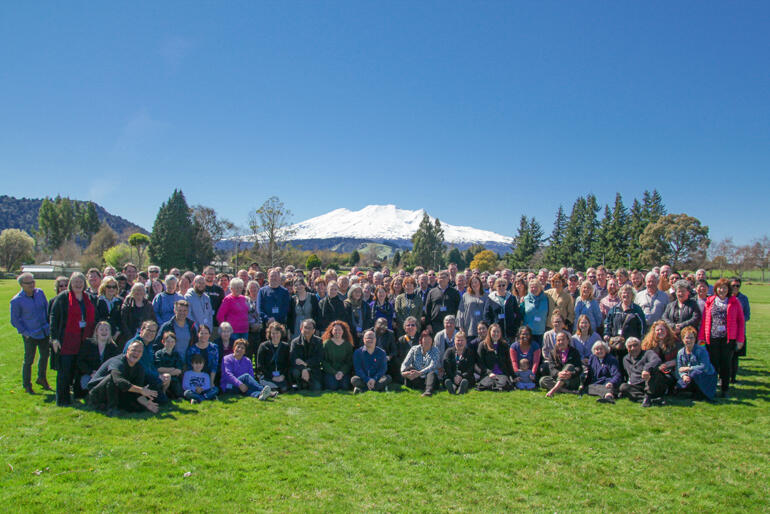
(110, 287)
(28, 283)
(737, 286)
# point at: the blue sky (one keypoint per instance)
(476, 111)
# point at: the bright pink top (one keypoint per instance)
(235, 310)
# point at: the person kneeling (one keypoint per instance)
(370, 362)
(694, 371)
(459, 361)
(238, 374)
(420, 366)
(196, 383)
(565, 367)
(114, 384)
(603, 377)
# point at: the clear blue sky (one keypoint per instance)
(476, 111)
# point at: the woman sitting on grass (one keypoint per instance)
(565, 368)
(694, 372)
(495, 361)
(662, 341)
(421, 364)
(95, 351)
(338, 356)
(526, 348)
(238, 374)
(603, 377)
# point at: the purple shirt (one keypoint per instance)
(233, 368)
(29, 315)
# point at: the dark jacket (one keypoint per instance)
(294, 307)
(333, 309)
(366, 320)
(602, 372)
(668, 357)
(646, 361)
(89, 359)
(385, 310)
(686, 316)
(110, 316)
(509, 318)
(132, 317)
(123, 375)
(460, 365)
(626, 323)
(271, 358)
(573, 357)
(438, 305)
(171, 326)
(309, 351)
(501, 357)
(387, 341)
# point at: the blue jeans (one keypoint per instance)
(250, 382)
(332, 384)
(208, 394)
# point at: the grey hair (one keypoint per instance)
(354, 287)
(628, 287)
(632, 340)
(236, 283)
(169, 279)
(602, 344)
(451, 318)
(651, 274)
(23, 276)
(682, 284)
(76, 275)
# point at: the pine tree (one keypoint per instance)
(428, 244)
(454, 255)
(588, 229)
(572, 245)
(600, 249)
(617, 235)
(172, 238)
(396, 259)
(555, 255)
(634, 229)
(355, 258)
(526, 243)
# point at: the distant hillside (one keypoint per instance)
(21, 213)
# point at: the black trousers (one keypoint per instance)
(30, 345)
(314, 384)
(655, 387)
(573, 384)
(738, 353)
(65, 379)
(601, 390)
(379, 385)
(427, 384)
(106, 395)
(496, 383)
(721, 352)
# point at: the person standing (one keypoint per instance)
(29, 316)
(440, 302)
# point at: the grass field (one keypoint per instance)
(392, 451)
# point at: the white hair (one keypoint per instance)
(602, 344)
(236, 283)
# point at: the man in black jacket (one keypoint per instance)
(441, 301)
(645, 380)
(305, 356)
(115, 383)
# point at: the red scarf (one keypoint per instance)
(73, 335)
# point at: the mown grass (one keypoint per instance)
(391, 452)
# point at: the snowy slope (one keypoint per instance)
(385, 222)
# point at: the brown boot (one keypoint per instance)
(28, 389)
(42, 382)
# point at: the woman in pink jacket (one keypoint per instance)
(723, 330)
(235, 310)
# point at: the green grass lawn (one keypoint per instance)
(392, 451)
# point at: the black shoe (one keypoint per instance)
(659, 401)
(450, 386)
(606, 399)
(646, 402)
(44, 384)
(463, 386)
(28, 389)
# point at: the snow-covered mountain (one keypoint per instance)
(387, 226)
(375, 222)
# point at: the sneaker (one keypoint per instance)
(265, 393)
(449, 386)
(646, 402)
(357, 390)
(427, 393)
(463, 386)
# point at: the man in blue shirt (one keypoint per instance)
(273, 300)
(370, 364)
(29, 316)
(735, 289)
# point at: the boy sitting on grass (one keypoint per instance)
(197, 384)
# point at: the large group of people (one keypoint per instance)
(130, 340)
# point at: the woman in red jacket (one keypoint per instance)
(723, 330)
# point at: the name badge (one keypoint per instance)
(442, 308)
(478, 313)
(537, 318)
(276, 373)
(275, 310)
(501, 316)
(82, 324)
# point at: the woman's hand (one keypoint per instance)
(684, 369)
(56, 345)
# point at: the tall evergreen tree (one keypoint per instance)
(428, 244)
(171, 241)
(617, 236)
(572, 245)
(526, 243)
(454, 255)
(87, 221)
(555, 254)
(634, 231)
(589, 229)
(599, 249)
